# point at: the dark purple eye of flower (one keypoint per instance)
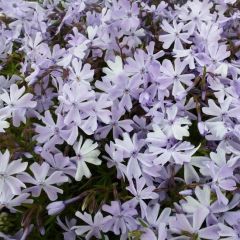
(56, 130)
(134, 154)
(42, 183)
(142, 70)
(214, 61)
(129, 14)
(176, 77)
(2, 175)
(114, 123)
(126, 91)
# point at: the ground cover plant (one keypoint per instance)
(119, 119)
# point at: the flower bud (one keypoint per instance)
(55, 208)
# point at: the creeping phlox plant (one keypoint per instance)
(120, 119)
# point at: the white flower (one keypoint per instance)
(10, 201)
(16, 104)
(157, 137)
(85, 152)
(80, 72)
(175, 126)
(179, 153)
(115, 68)
(3, 124)
(7, 181)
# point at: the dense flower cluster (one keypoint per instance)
(120, 119)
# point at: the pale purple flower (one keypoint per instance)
(133, 37)
(81, 73)
(173, 74)
(157, 137)
(69, 234)
(43, 94)
(176, 34)
(6, 82)
(179, 153)
(137, 66)
(94, 225)
(217, 54)
(125, 90)
(58, 162)
(158, 220)
(78, 47)
(150, 50)
(221, 112)
(203, 199)
(123, 217)
(115, 159)
(127, 14)
(98, 113)
(75, 105)
(223, 180)
(188, 56)
(53, 132)
(139, 86)
(141, 193)
(117, 125)
(180, 224)
(209, 33)
(42, 181)
(194, 13)
(131, 150)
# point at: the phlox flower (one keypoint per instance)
(17, 104)
(43, 181)
(11, 201)
(176, 34)
(86, 152)
(141, 193)
(123, 217)
(180, 224)
(9, 183)
(94, 225)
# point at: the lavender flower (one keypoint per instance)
(140, 193)
(122, 217)
(192, 228)
(43, 182)
(175, 35)
(94, 226)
